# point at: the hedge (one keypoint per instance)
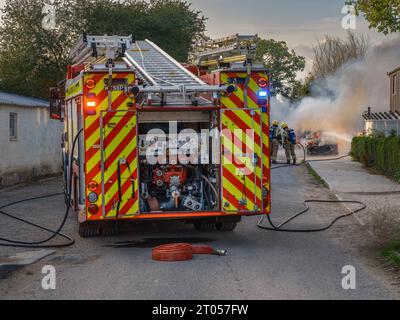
(381, 153)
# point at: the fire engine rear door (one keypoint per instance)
(119, 164)
(241, 160)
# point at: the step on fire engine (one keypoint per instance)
(158, 143)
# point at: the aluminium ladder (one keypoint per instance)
(158, 68)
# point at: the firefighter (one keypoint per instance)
(289, 141)
(275, 140)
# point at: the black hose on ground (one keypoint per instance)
(305, 161)
(279, 228)
(55, 233)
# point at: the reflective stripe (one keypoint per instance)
(245, 193)
(242, 179)
(92, 130)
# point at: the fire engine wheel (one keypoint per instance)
(204, 226)
(110, 231)
(215, 226)
(226, 226)
(87, 230)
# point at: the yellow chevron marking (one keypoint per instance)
(228, 165)
(230, 209)
(253, 86)
(90, 141)
(124, 153)
(238, 191)
(127, 175)
(250, 184)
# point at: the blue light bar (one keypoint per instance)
(262, 94)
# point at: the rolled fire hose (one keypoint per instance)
(183, 252)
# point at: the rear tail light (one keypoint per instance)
(90, 84)
(91, 104)
(90, 108)
(265, 182)
(93, 186)
(93, 209)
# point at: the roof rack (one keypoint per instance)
(231, 49)
(89, 48)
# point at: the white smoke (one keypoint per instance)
(337, 102)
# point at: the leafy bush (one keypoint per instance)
(378, 152)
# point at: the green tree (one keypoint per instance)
(172, 24)
(32, 59)
(384, 15)
(283, 63)
(302, 88)
(175, 27)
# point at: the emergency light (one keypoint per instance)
(262, 94)
(90, 109)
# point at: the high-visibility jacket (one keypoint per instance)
(274, 133)
(289, 136)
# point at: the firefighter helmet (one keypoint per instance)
(284, 125)
(275, 123)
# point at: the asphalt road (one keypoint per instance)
(260, 264)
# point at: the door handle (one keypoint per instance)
(133, 188)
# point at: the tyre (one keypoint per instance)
(110, 230)
(226, 226)
(88, 231)
(205, 226)
(92, 230)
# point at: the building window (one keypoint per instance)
(13, 127)
(394, 84)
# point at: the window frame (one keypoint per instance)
(13, 132)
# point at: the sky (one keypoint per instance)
(298, 22)
(301, 23)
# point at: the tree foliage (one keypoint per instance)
(302, 88)
(384, 15)
(32, 59)
(283, 63)
(331, 54)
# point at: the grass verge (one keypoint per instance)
(392, 250)
(316, 176)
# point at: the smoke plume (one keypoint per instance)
(338, 101)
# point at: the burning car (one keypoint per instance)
(319, 143)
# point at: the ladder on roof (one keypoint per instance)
(90, 49)
(158, 68)
(225, 51)
(165, 79)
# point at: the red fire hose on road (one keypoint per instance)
(183, 252)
